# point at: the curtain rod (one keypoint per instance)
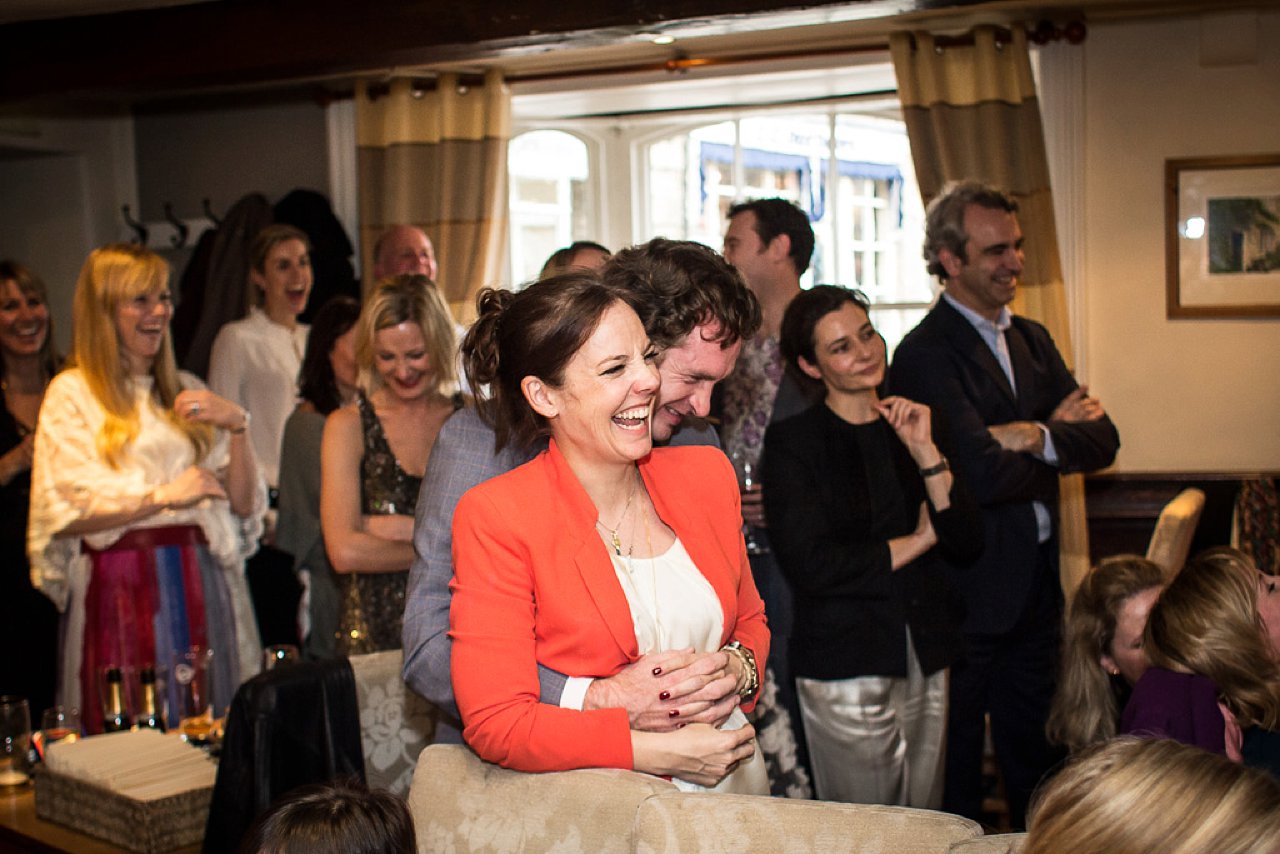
(1041, 33)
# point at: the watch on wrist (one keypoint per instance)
(748, 659)
(937, 468)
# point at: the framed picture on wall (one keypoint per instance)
(1222, 236)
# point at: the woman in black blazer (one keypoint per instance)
(867, 522)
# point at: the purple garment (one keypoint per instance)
(1181, 706)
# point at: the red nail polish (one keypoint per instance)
(657, 671)
(674, 713)
(665, 695)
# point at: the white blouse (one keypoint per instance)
(673, 606)
(255, 363)
(70, 481)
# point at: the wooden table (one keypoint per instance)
(22, 831)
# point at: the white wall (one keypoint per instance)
(64, 180)
(1187, 395)
(65, 177)
(224, 153)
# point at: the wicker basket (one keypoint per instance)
(150, 827)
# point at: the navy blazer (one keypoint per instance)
(945, 364)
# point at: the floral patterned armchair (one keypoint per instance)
(395, 723)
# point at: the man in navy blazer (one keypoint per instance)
(1015, 419)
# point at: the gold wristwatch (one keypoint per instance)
(748, 659)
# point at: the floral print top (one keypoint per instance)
(749, 393)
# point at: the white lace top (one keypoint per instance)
(71, 481)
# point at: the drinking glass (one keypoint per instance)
(192, 672)
(280, 654)
(747, 480)
(60, 723)
(15, 740)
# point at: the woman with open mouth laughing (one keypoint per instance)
(255, 363)
(598, 551)
(145, 496)
(28, 620)
(374, 453)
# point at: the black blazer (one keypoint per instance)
(945, 364)
(835, 494)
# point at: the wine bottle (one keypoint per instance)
(149, 716)
(115, 716)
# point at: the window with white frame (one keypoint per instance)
(866, 211)
(550, 200)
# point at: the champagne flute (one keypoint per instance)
(746, 471)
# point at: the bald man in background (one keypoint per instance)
(404, 249)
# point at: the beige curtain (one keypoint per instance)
(438, 160)
(971, 112)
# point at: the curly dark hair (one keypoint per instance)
(679, 285)
(944, 219)
(779, 216)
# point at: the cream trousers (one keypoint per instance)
(877, 739)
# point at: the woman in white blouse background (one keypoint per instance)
(255, 363)
(145, 494)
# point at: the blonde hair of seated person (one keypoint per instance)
(1207, 622)
(1084, 709)
(1135, 796)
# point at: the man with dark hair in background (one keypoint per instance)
(771, 243)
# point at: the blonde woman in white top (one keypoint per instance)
(145, 494)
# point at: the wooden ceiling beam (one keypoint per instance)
(239, 43)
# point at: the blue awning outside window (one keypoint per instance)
(861, 169)
(755, 158)
(812, 198)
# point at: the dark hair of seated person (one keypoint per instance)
(333, 818)
(316, 382)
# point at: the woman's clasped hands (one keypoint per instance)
(676, 701)
(664, 691)
(699, 753)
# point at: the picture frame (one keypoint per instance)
(1222, 236)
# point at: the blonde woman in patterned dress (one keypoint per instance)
(145, 494)
(375, 451)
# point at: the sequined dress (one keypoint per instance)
(373, 602)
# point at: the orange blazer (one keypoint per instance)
(533, 584)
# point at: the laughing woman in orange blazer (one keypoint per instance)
(599, 550)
